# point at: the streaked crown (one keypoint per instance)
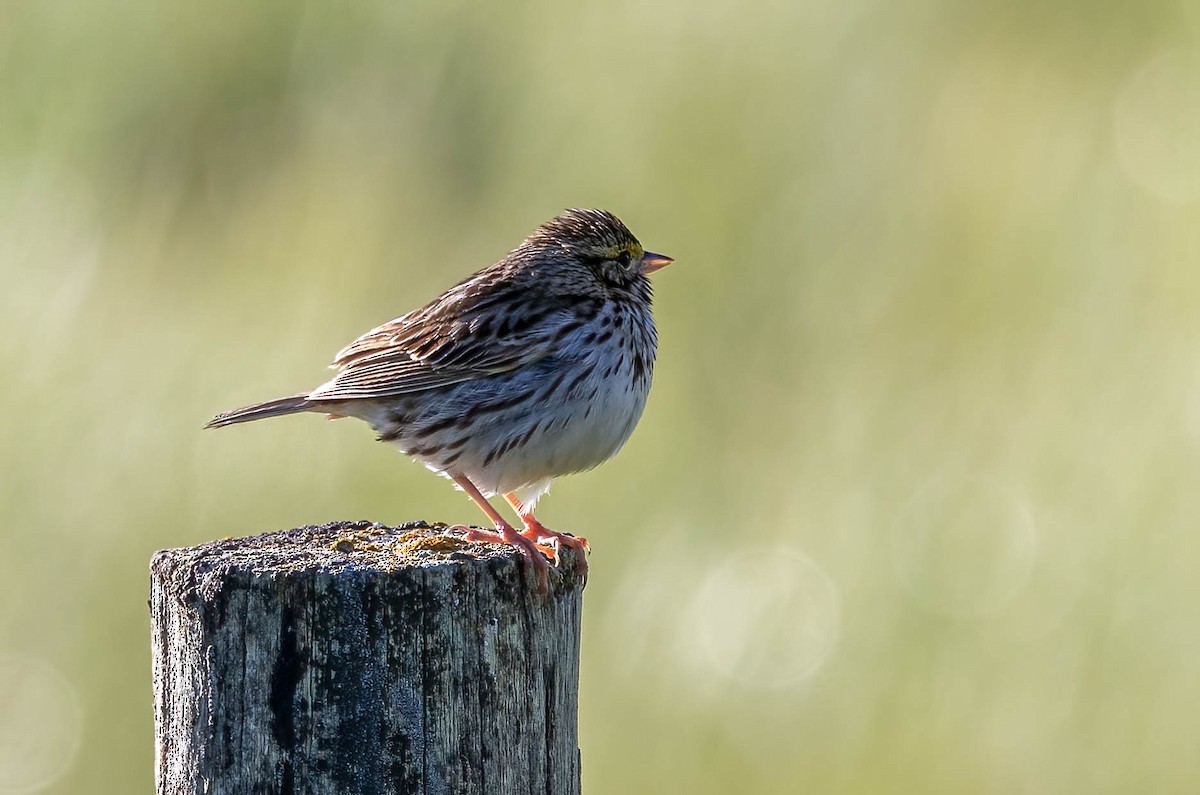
(588, 234)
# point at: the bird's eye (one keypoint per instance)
(624, 259)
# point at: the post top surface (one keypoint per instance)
(339, 546)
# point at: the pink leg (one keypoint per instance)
(537, 532)
(504, 532)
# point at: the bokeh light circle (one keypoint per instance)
(964, 546)
(766, 619)
(41, 723)
(1156, 120)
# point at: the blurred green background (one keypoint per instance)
(913, 506)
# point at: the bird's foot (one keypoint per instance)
(541, 535)
(506, 534)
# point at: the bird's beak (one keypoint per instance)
(652, 262)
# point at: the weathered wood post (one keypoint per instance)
(360, 659)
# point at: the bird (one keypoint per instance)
(537, 366)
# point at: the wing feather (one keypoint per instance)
(465, 334)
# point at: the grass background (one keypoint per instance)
(913, 506)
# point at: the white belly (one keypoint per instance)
(579, 415)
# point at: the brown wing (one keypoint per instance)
(470, 332)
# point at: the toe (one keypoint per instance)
(575, 542)
(536, 551)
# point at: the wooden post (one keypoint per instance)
(361, 659)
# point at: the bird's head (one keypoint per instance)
(599, 241)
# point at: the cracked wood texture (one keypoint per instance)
(360, 659)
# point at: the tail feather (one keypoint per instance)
(259, 411)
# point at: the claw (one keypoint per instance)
(543, 536)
